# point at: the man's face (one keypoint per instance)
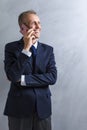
(33, 22)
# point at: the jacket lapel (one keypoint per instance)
(39, 59)
(40, 65)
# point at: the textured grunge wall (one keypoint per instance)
(64, 26)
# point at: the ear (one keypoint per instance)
(23, 29)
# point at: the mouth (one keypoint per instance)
(36, 31)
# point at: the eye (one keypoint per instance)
(33, 23)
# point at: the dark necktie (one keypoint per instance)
(34, 52)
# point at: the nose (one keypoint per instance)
(38, 25)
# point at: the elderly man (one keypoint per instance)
(30, 67)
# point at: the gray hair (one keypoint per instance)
(23, 16)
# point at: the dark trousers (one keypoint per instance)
(32, 123)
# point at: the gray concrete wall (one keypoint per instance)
(64, 26)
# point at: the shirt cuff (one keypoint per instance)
(28, 53)
(23, 80)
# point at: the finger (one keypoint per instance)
(29, 34)
(33, 37)
(29, 30)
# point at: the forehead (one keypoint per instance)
(32, 17)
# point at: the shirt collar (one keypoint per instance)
(35, 44)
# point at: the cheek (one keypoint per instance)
(40, 28)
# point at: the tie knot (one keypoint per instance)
(34, 51)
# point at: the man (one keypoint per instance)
(30, 67)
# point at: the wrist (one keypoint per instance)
(26, 48)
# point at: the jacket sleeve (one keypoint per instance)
(43, 79)
(14, 66)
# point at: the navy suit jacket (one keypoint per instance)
(22, 101)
